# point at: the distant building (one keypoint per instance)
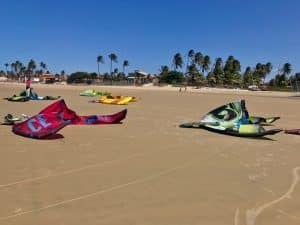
(47, 78)
(141, 73)
(3, 79)
(140, 77)
(62, 78)
(35, 79)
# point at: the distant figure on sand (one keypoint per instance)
(184, 85)
(28, 82)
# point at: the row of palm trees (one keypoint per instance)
(200, 68)
(113, 59)
(19, 69)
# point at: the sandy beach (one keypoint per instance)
(147, 170)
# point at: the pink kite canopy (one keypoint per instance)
(56, 116)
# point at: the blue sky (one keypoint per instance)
(69, 34)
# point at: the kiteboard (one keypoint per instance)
(9, 119)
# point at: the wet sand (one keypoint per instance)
(148, 171)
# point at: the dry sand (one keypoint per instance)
(147, 171)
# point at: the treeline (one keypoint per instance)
(17, 69)
(85, 77)
(113, 75)
(113, 58)
(196, 69)
(200, 70)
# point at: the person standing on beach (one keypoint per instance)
(28, 83)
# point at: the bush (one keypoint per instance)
(81, 77)
(171, 77)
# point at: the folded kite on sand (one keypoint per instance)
(61, 108)
(22, 97)
(93, 93)
(233, 119)
(17, 98)
(56, 116)
(115, 100)
(40, 126)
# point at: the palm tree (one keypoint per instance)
(22, 70)
(248, 75)
(268, 69)
(164, 69)
(6, 68)
(229, 70)
(237, 78)
(20, 65)
(287, 69)
(211, 78)
(17, 67)
(258, 72)
(206, 63)
(100, 59)
(113, 58)
(62, 75)
(13, 68)
(194, 75)
(218, 70)
(31, 66)
(190, 56)
(43, 66)
(125, 64)
(198, 59)
(236, 65)
(177, 61)
(16, 64)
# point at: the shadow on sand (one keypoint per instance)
(53, 137)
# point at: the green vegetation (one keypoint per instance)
(198, 70)
(17, 69)
(100, 59)
(170, 77)
(201, 71)
(81, 77)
